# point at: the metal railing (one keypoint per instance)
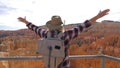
(104, 57)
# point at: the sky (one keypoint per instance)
(40, 11)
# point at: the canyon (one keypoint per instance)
(102, 38)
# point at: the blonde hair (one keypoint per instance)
(55, 26)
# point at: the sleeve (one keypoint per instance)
(73, 33)
(41, 32)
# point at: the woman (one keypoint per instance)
(55, 27)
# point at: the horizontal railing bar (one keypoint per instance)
(86, 56)
(20, 57)
(71, 57)
(113, 58)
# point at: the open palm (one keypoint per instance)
(103, 13)
(23, 20)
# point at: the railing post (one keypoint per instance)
(103, 61)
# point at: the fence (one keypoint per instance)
(21, 58)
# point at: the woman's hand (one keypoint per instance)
(23, 20)
(99, 15)
(103, 13)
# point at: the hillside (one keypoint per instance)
(103, 38)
